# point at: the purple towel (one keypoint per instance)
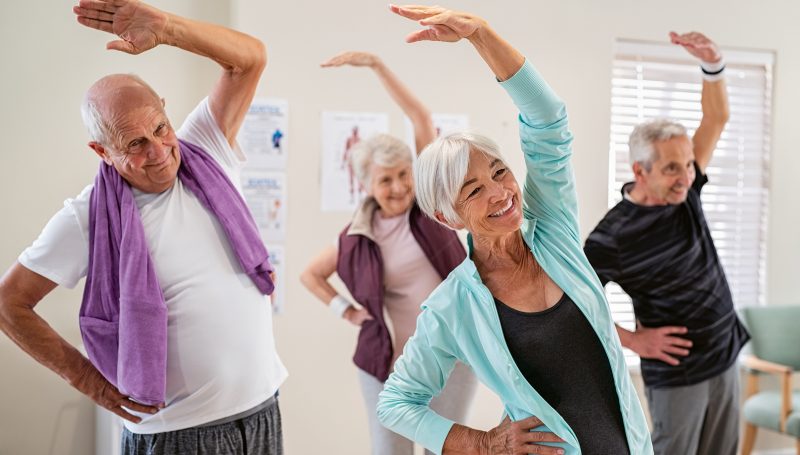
(123, 317)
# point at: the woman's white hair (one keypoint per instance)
(440, 170)
(383, 150)
(640, 144)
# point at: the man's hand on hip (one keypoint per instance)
(92, 384)
(660, 343)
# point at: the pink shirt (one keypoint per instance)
(408, 276)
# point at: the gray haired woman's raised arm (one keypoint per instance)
(417, 112)
(451, 26)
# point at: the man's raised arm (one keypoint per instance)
(714, 97)
(142, 27)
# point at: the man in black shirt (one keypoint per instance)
(657, 246)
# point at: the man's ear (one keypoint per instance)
(163, 103)
(454, 226)
(101, 151)
(638, 171)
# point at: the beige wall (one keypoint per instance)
(571, 42)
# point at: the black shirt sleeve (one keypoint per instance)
(602, 252)
(700, 179)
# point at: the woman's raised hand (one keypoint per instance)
(353, 58)
(443, 24)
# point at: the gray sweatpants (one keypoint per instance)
(699, 419)
(452, 403)
(258, 433)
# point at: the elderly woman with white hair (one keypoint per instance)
(525, 310)
(390, 257)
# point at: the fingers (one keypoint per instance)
(123, 46)
(676, 351)
(353, 58)
(95, 24)
(98, 5)
(673, 340)
(675, 38)
(125, 415)
(125, 404)
(529, 423)
(691, 40)
(673, 330)
(365, 316)
(416, 12)
(678, 341)
(543, 450)
(336, 60)
(93, 14)
(434, 33)
(541, 436)
(138, 407)
(120, 411)
(439, 19)
(331, 63)
(669, 360)
(682, 40)
(421, 35)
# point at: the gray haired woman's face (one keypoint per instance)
(489, 202)
(392, 187)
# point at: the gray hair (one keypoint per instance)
(382, 150)
(441, 168)
(99, 129)
(640, 144)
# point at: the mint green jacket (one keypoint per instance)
(459, 320)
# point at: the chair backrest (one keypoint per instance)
(775, 332)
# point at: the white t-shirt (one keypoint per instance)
(221, 357)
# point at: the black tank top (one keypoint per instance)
(560, 355)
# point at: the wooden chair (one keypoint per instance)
(775, 343)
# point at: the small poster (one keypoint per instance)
(444, 123)
(263, 135)
(277, 257)
(265, 194)
(340, 190)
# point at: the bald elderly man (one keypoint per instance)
(175, 316)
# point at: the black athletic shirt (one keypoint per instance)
(665, 259)
(561, 357)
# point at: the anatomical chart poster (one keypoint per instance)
(341, 131)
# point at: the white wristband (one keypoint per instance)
(713, 71)
(339, 305)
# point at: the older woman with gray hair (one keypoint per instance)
(390, 257)
(525, 310)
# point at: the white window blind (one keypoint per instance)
(663, 81)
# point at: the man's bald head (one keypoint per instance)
(110, 97)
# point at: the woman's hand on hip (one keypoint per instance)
(514, 438)
(357, 316)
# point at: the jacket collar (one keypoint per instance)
(362, 219)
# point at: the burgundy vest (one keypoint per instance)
(360, 266)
